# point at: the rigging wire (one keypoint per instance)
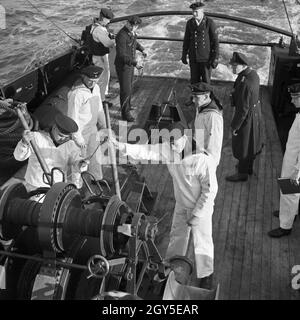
(47, 18)
(287, 15)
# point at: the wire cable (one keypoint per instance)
(47, 18)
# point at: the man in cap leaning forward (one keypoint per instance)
(56, 147)
(246, 122)
(289, 203)
(195, 189)
(85, 107)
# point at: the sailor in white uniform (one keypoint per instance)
(290, 169)
(85, 107)
(208, 120)
(57, 149)
(195, 189)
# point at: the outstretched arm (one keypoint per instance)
(154, 152)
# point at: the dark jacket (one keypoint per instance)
(201, 42)
(247, 117)
(95, 48)
(126, 46)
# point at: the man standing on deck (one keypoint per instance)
(101, 42)
(246, 122)
(85, 107)
(200, 45)
(125, 62)
(289, 203)
(208, 122)
(195, 188)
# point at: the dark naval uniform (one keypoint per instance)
(247, 120)
(201, 45)
(125, 61)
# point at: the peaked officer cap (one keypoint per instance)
(196, 5)
(294, 89)
(106, 13)
(93, 72)
(134, 20)
(239, 58)
(65, 124)
(201, 88)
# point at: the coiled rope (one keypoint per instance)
(11, 131)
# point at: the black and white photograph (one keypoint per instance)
(149, 150)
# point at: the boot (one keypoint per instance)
(279, 232)
(237, 177)
(250, 170)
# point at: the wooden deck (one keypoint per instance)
(248, 263)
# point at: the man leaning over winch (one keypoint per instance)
(195, 188)
(56, 147)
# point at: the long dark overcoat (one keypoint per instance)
(247, 117)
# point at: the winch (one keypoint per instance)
(63, 246)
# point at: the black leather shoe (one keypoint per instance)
(279, 232)
(276, 213)
(237, 177)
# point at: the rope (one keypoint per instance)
(6, 106)
(47, 18)
(287, 15)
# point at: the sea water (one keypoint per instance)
(27, 36)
